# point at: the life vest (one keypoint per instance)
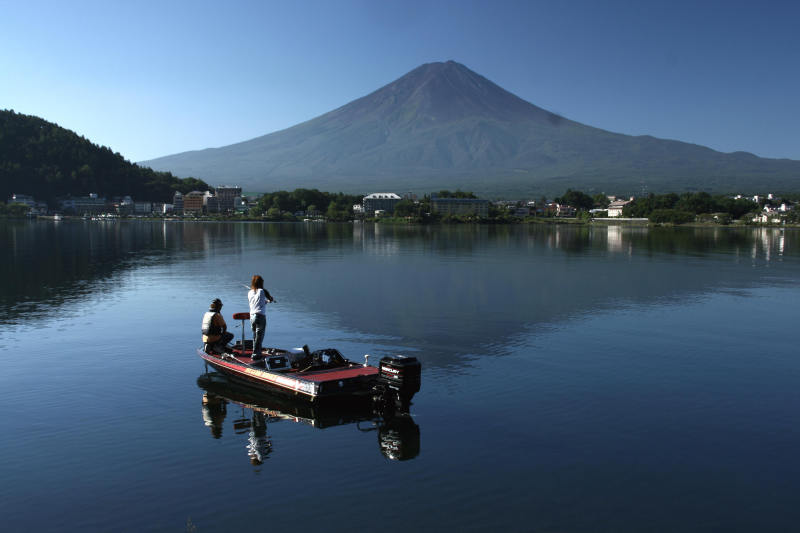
(209, 328)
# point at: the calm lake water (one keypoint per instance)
(575, 379)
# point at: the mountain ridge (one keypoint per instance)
(444, 126)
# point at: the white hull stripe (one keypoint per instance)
(297, 385)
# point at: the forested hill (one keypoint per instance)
(47, 161)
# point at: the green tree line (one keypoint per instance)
(281, 205)
(687, 205)
(47, 161)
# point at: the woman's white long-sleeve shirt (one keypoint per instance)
(258, 302)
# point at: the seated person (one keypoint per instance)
(215, 331)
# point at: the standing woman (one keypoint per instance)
(258, 298)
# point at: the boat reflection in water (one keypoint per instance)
(398, 434)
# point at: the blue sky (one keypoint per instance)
(152, 78)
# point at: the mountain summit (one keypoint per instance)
(444, 126)
(436, 93)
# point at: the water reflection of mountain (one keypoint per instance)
(398, 435)
(449, 290)
(458, 290)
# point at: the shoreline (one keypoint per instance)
(633, 222)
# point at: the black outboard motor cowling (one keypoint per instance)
(400, 375)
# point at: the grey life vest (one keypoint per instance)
(209, 328)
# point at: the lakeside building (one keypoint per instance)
(770, 217)
(615, 207)
(34, 207)
(177, 203)
(161, 208)
(564, 210)
(760, 198)
(122, 205)
(24, 199)
(226, 197)
(380, 201)
(193, 203)
(142, 208)
(210, 203)
(240, 205)
(554, 209)
(459, 206)
(92, 205)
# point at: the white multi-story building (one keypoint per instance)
(615, 208)
(380, 201)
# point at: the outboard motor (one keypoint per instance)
(399, 379)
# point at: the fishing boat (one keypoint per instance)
(317, 375)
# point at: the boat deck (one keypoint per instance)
(335, 374)
(330, 374)
(313, 383)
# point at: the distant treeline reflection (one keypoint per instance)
(55, 262)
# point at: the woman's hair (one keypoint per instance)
(257, 282)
